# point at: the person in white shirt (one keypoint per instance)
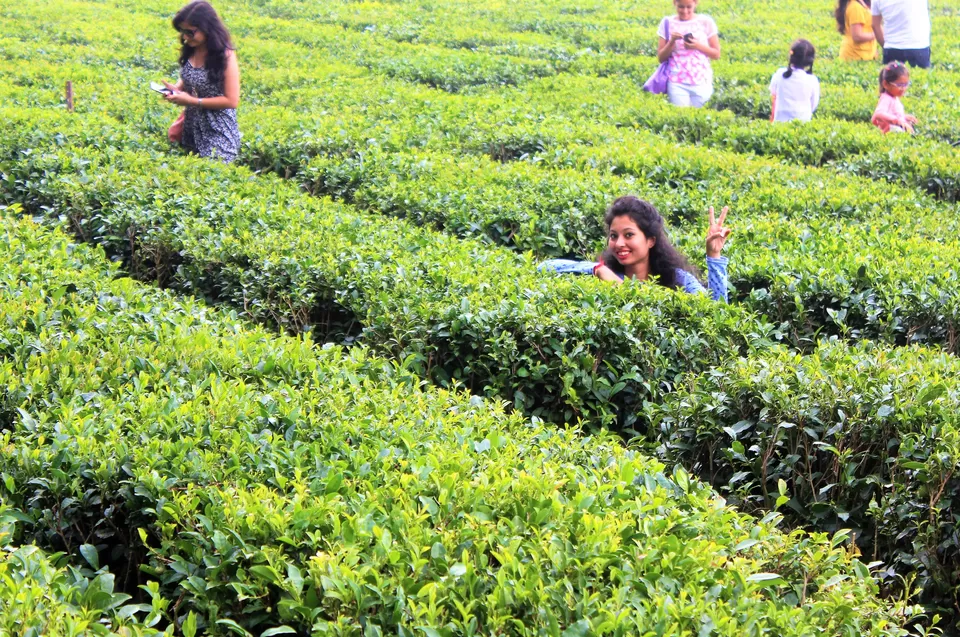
(902, 28)
(794, 89)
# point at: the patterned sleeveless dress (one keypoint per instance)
(208, 132)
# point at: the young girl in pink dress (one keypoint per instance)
(687, 43)
(890, 116)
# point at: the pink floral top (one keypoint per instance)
(688, 66)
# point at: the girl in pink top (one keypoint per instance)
(890, 116)
(687, 43)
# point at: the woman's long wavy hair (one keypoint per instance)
(202, 16)
(665, 260)
(840, 13)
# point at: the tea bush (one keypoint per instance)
(271, 486)
(231, 252)
(40, 597)
(847, 437)
(290, 43)
(559, 348)
(43, 595)
(857, 296)
(501, 128)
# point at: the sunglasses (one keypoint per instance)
(189, 33)
(901, 84)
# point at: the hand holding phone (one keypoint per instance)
(160, 88)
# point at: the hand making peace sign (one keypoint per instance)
(716, 233)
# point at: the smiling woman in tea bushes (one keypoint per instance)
(209, 84)
(638, 247)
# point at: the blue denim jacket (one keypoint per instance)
(716, 275)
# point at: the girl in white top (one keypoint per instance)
(794, 90)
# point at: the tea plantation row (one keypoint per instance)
(559, 348)
(263, 483)
(836, 436)
(294, 45)
(840, 266)
(863, 294)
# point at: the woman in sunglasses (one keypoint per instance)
(209, 85)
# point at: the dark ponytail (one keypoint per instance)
(801, 57)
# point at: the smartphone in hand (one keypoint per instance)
(160, 88)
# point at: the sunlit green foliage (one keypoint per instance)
(445, 147)
(262, 483)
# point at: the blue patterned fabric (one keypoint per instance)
(567, 266)
(716, 275)
(208, 132)
(716, 279)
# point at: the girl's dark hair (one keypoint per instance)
(201, 15)
(801, 57)
(891, 73)
(841, 14)
(665, 260)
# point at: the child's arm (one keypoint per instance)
(884, 118)
(774, 85)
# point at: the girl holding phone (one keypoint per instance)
(687, 43)
(209, 84)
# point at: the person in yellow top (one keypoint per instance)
(855, 24)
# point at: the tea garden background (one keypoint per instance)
(324, 390)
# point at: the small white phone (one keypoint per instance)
(160, 88)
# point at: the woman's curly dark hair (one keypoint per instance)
(202, 16)
(665, 260)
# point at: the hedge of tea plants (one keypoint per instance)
(559, 348)
(849, 437)
(43, 594)
(464, 142)
(255, 483)
(277, 36)
(40, 597)
(288, 268)
(860, 296)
